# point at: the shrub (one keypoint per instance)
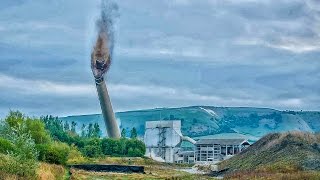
(91, 151)
(23, 160)
(56, 152)
(136, 148)
(131, 152)
(6, 146)
(43, 151)
(75, 156)
(123, 147)
(111, 146)
(93, 148)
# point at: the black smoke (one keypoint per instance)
(105, 23)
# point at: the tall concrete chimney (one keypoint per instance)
(100, 63)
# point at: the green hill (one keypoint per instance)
(292, 151)
(252, 123)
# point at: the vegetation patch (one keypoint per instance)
(51, 171)
(32, 147)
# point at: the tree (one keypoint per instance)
(96, 130)
(20, 124)
(134, 134)
(55, 128)
(36, 129)
(66, 126)
(90, 130)
(73, 126)
(20, 140)
(123, 133)
(83, 130)
(122, 146)
(15, 119)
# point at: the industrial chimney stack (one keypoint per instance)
(100, 63)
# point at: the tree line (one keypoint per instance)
(89, 141)
(24, 141)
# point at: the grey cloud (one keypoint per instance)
(223, 53)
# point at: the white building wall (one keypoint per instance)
(171, 131)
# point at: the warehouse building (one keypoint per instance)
(214, 150)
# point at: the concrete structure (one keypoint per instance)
(185, 157)
(185, 153)
(100, 63)
(163, 140)
(214, 150)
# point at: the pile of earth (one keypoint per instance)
(291, 151)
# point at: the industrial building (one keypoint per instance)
(214, 150)
(185, 157)
(165, 142)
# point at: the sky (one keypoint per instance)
(169, 53)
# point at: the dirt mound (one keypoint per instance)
(290, 151)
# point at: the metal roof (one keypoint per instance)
(221, 141)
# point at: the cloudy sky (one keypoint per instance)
(169, 53)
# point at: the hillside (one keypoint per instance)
(279, 152)
(252, 123)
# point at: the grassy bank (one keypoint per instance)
(290, 155)
(267, 175)
(51, 171)
(44, 172)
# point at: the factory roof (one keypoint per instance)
(222, 141)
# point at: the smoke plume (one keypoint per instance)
(103, 50)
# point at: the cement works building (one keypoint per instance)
(214, 150)
(165, 142)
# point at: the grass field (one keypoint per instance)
(153, 170)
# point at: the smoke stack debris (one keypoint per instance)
(103, 49)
